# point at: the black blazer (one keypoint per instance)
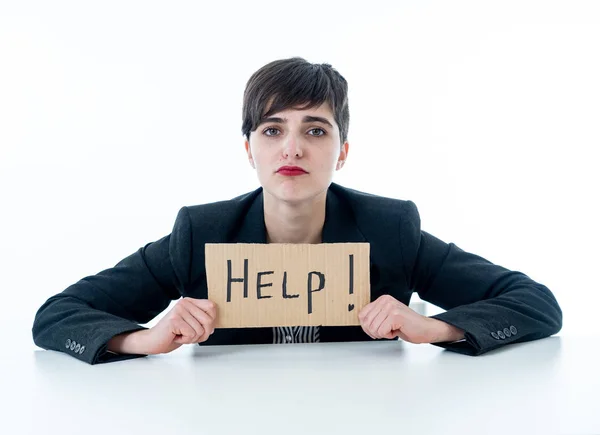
(493, 305)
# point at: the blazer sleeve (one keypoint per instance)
(85, 316)
(493, 305)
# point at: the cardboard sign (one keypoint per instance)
(288, 284)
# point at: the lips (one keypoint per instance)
(291, 171)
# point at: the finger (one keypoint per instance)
(390, 327)
(366, 331)
(204, 337)
(380, 325)
(206, 305)
(366, 310)
(365, 326)
(207, 325)
(183, 331)
(207, 322)
(371, 317)
(180, 339)
(203, 317)
(402, 335)
(191, 320)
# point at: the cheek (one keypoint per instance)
(260, 159)
(255, 153)
(263, 161)
(330, 160)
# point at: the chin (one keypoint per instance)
(293, 192)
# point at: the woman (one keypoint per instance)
(295, 121)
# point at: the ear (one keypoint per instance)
(343, 156)
(249, 152)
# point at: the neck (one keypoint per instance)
(294, 223)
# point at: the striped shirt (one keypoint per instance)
(295, 334)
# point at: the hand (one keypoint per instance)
(189, 321)
(386, 317)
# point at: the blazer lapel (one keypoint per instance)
(340, 225)
(252, 226)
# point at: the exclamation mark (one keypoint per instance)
(351, 280)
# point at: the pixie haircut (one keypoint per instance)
(294, 83)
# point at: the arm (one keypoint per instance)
(82, 319)
(494, 306)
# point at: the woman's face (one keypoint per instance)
(308, 140)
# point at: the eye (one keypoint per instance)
(270, 130)
(320, 130)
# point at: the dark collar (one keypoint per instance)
(340, 225)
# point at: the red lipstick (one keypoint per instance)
(291, 171)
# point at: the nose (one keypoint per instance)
(292, 147)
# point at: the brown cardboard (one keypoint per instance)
(342, 269)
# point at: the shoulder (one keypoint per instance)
(391, 225)
(217, 216)
(223, 207)
(370, 206)
(384, 221)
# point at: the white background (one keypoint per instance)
(113, 115)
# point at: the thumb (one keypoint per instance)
(393, 334)
(179, 339)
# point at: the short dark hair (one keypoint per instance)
(294, 83)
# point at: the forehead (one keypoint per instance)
(323, 110)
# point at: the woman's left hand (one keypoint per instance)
(387, 317)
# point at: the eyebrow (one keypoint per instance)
(306, 119)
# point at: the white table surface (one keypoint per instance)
(547, 386)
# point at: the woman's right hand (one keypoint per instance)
(189, 321)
